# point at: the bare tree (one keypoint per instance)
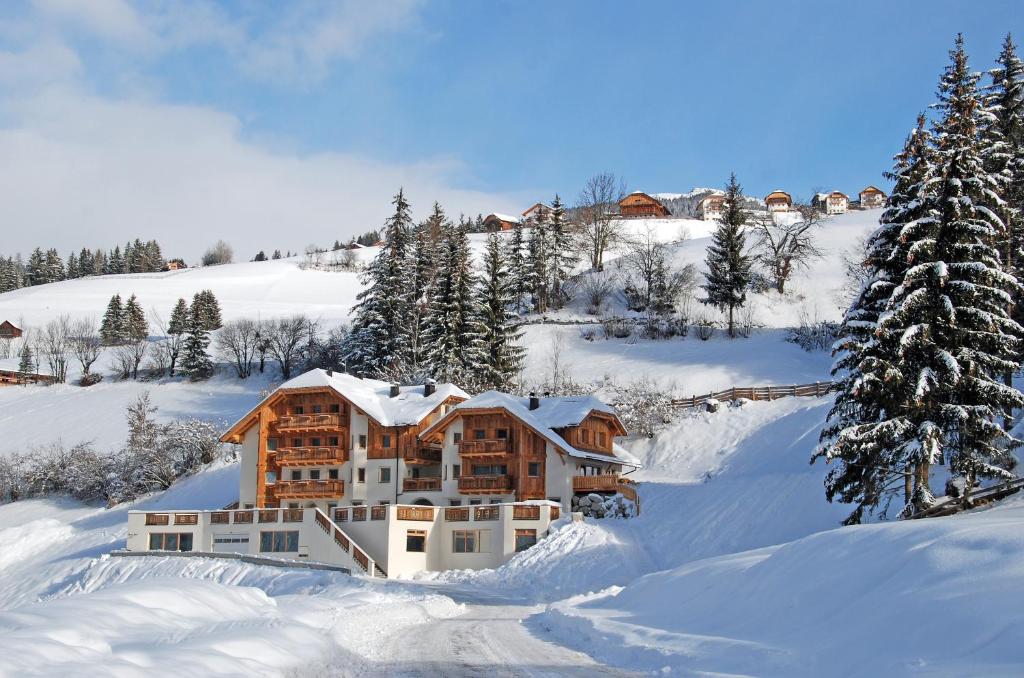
(855, 269)
(596, 207)
(785, 244)
(596, 288)
(286, 338)
(86, 344)
(128, 357)
(56, 344)
(237, 341)
(652, 284)
(220, 253)
(167, 349)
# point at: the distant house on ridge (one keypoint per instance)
(831, 203)
(9, 331)
(778, 201)
(872, 197)
(500, 222)
(640, 204)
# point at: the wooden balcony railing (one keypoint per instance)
(296, 421)
(485, 513)
(243, 516)
(157, 519)
(378, 512)
(186, 518)
(485, 484)
(220, 517)
(311, 456)
(421, 484)
(422, 454)
(480, 447)
(456, 514)
(307, 489)
(603, 483)
(423, 513)
(525, 512)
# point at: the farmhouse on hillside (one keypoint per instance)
(539, 213)
(778, 201)
(500, 222)
(640, 204)
(9, 331)
(872, 197)
(831, 203)
(391, 480)
(712, 207)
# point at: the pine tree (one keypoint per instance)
(868, 436)
(450, 332)
(85, 263)
(195, 361)
(728, 265)
(26, 362)
(135, 326)
(562, 254)
(179, 318)
(276, 255)
(115, 262)
(35, 269)
(112, 329)
(54, 266)
(260, 256)
(71, 270)
(380, 337)
(424, 268)
(538, 266)
(206, 307)
(519, 275)
(497, 356)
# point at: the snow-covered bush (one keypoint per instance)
(616, 328)
(705, 327)
(642, 406)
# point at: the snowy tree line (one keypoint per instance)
(46, 267)
(929, 347)
(152, 458)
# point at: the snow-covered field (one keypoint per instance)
(734, 567)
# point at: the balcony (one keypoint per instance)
(323, 422)
(603, 483)
(469, 448)
(422, 454)
(307, 489)
(421, 485)
(311, 456)
(485, 484)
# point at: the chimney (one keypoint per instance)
(429, 386)
(534, 401)
(330, 373)
(394, 391)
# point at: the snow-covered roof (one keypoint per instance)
(553, 412)
(373, 396)
(505, 217)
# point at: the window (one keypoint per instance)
(465, 541)
(296, 442)
(296, 475)
(490, 470)
(495, 501)
(271, 444)
(501, 433)
(415, 541)
(271, 478)
(602, 438)
(332, 473)
(170, 541)
(479, 433)
(361, 475)
(317, 409)
(557, 500)
(298, 410)
(362, 442)
(457, 437)
(314, 474)
(533, 469)
(384, 474)
(525, 539)
(314, 442)
(475, 502)
(456, 470)
(383, 502)
(385, 441)
(332, 441)
(334, 408)
(585, 435)
(279, 542)
(455, 502)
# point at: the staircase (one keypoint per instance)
(355, 553)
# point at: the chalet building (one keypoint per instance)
(539, 213)
(175, 265)
(778, 201)
(712, 207)
(640, 204)
(831, 203)
(500, 222)
(872, 197)
(390, 480)
(9, 331)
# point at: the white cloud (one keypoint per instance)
(80, 170)
(112, 19)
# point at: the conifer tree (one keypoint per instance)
(26, 361)
(728, 264)
(538, 266)
(260, 256)
(424, 269)
(179, 318)
(112, 326)
(519, 276)
(868, 436)
(195, 361)
(115, 262)
(562, 254)
(71, 270)
(449, 331)
(496, 355)
(35, 269)
(85, 263)
(54, 266)
(380, 336)
(276, 255)
(206, 307)
(135, 326)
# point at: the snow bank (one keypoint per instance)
(936, 597)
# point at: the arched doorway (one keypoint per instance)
(422, 502)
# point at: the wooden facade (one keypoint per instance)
(872, 197)
(537, 213)
(640, 204)
(500, 222)
(9, 331)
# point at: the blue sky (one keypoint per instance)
(314, 112)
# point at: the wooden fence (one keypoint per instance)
(818, 388)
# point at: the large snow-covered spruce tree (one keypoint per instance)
(381, 331)
(450, 333)
(496, 356)
(866, 435)
(728, 264)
